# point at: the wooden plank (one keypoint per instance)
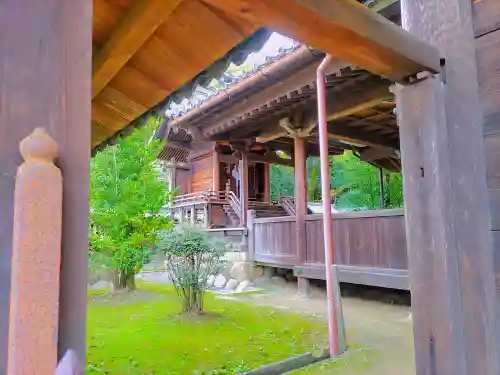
(140, 22)
(449, 244)
(340, 131)
(488, 64)
(440, 210)
(344, 29)
(381, 277)
(360, 214)
(243, 193)
(486, 15)
(45, 70)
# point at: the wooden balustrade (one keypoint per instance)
(366, 243)
(36, 256)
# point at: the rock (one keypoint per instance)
(220, 281)
(279, 281)
(289, 276)
(210, 281)
(257, 271)
(281, 272)
(269, 272)
(231, 284)
(241, 271)
(243, 286)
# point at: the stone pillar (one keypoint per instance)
(36, 258)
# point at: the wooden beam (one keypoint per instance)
(451, 259)
(375, 153)
(343, 132)
(256, 158)
(338, 106)
(344, 29)
(138, 24)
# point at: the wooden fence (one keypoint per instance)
(370, 246)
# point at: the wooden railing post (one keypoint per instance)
(250, 234)
(36, 256)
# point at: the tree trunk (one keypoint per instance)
(123, 279)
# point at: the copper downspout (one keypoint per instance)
(327, 206)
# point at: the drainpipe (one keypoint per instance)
(327, 207)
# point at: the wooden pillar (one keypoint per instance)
(382, 188)
(60, 103)
(215, 171)
(193, 214)
(446, 201)
(267, 183)
(300, 195)
(243, 174)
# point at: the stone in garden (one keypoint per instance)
(257, 271)
(210, 280)
(241, 271)
(231, 284)
(243, 286)
(220, 281)
(279, 281)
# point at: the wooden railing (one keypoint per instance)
(196, 198)
(288, 204)
(370, 238)
(235, 203)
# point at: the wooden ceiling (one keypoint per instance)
(143, 50)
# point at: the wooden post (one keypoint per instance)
(243, 174)
(193, 214)
(382, 189)
(267, 183)
(60, 103)
(205, 215)
(250, 234)
(300, 195)
(215, 171)
(446, 200)
(36, 259)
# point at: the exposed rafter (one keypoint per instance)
(136, 27)
(344, 29)
(343, 132)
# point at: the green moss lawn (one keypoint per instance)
(143, 334)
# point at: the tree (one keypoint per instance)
(127, 193)
(354, 183)
(192, 256)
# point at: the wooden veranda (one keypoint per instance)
(88, 71)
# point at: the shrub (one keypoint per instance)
(192, 256)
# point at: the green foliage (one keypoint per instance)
(144, 334)
(282, 182)
(192, 256)
(354, 183)
(126, 195)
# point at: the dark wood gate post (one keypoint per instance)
(45, 75)
(446, 200)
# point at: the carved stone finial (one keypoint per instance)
(39, 146)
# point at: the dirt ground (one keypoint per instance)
(384, 328)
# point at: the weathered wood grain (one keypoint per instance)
(486, 15)
(45, 75)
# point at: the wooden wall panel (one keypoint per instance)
(376, 241)
(488, 66)
(275, 242)
(486, 16)
(182, 179)
(202, 171)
